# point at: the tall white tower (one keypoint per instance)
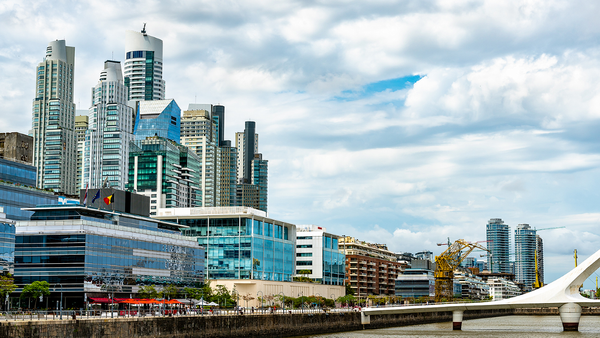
(106, 155)
(144, 66)
(53, 121)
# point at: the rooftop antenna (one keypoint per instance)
(144, 29)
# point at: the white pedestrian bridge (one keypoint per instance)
(562, 293)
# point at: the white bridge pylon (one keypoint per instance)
(562, 293)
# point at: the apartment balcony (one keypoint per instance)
(363, 262)
(372, 263)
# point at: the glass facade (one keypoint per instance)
(7, 245)
(334, 268)
(15, 172)
(498, 243)
(525, 247)
(245, 248)
(166, 172)
(90, 250)
(158, 118)
(14, 197)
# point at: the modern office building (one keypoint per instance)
(318, 256)
(95, 253)
(539, 249)
(7, 243)
(53, 121)
(371, 269)
(241, 242)
(17, 190)
(498, 243)
(81, 126)
(106, 151)
(525, 248)
(144, 67)
(415, 283)
(160, 118)
(166, 172)
(426, 254)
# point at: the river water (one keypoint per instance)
(507, 326)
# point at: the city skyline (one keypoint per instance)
(409, 122)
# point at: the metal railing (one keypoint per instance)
(42, 315)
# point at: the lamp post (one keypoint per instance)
(261, 299)
(61, 295)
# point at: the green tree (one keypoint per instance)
(170, 291)
(222, 296)
(148, 291)
(35, 290)
(193, 293)
(7, 285)
(597, 293)
(349, 290)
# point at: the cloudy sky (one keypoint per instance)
(398, 122)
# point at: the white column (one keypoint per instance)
(569, 315)
(457, 318)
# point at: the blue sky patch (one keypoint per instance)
(377, 87)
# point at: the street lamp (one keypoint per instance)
(61, 296)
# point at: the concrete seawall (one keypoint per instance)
(229, 326)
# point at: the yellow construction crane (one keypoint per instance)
(445, 264)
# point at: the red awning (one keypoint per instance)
(100, 300)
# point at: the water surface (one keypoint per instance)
(507, 326)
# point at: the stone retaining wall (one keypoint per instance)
(232, 326)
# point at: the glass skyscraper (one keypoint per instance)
(53, 122)
(166, 172)
(158, 118)
(106, 151)
(144, 66)
(498, 243)
(241, 242)
(525, 247)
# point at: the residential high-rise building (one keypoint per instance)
(81, 126)
(371, 269)
(318, 256)
(525, 247)
(144, 66)
(539, 249)
(106, 151)
(227, 178)
(53, 122)
(160, 118)
(498, 243)
(252, 170)
(166, 172)
(200, 134)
